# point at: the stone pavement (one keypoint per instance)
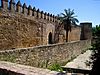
(25, 70)
(81, 61)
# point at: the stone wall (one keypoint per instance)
(19, 8)
(18, 31)
(43, 56)
(74, 34)
(86, 30)
(22, 27)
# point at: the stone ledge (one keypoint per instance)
(45, 46)
(24, 70)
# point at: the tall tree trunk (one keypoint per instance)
(66, 35)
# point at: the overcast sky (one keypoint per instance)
(86, 10)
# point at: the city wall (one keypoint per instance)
(27, 11)
(22, 27)
(44, 56)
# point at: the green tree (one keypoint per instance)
(68, 18)
(96, 51)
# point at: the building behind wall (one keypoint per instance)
(86, 31)
(22, 26)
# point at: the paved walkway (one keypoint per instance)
(80, 61)
(25, 70)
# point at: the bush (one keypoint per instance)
(55, 67)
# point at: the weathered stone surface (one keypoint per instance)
(7, 68)
(18, 31)
(74, 34)
(44, 56)
(81, 62)
(86, 30)
(26, 27)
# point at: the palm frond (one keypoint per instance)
(73, 16)
(76, 20)
(73, 22)
(66, 12)
(69, 11)
(63, 14)
(72, 12)
(68, 15)
(58, 15)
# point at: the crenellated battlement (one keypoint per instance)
(26, 10)
(26, 26)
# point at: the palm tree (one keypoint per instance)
(68, 18)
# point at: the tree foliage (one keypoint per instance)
(96, 51)
(68, 18)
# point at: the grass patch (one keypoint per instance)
(55, 67)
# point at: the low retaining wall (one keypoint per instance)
(43, 56)
(7, 68)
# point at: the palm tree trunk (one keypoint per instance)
(66, 35)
